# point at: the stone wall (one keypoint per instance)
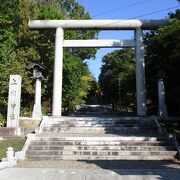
(28, 126)
(9, 131)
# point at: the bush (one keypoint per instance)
(26, 112)
(2, 120)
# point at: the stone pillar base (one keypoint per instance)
(37, 113)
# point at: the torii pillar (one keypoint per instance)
(58, 68)
(140, 73)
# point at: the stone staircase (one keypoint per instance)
(100, 138)
(94, 111)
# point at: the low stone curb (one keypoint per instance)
(10, 159)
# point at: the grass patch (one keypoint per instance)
(16, 143)
(172, 127)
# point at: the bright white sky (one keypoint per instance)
(123, 9)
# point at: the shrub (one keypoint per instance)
(2, 120)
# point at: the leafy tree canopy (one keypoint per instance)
(21, 46)
(118, 76)
(162, 61)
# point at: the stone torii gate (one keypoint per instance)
(137, 25)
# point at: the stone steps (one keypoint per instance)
(101, 125)
(69, 148)
(55, 158)
(115, 134)
(102, 120)
(91, 143)
(86, 125)
(98, 119)
(100, 138)
(109, 152)
(97, 129)
(93, 157)
(104, 140)
(105, 123)
(101, 147)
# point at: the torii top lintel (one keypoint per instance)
(99, 24)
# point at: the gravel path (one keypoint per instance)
(101, 164)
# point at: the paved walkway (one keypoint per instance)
(93, 170)
(88, 174)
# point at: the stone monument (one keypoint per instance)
(14, 101)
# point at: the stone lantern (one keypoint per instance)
(37, 70)
(162, 109)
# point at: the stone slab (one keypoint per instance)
(14, 101)
(88, 174)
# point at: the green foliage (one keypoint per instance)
(25, 112)
(2, 120)
(7, 43)
(77, 78)
(117, 78)
(94, 95)
(162, 61)
(20, 46)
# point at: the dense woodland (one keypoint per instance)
(117, 78)
(20, 46)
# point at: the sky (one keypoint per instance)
(123, 9)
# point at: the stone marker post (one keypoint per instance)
(162, 109)
(14, 101)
